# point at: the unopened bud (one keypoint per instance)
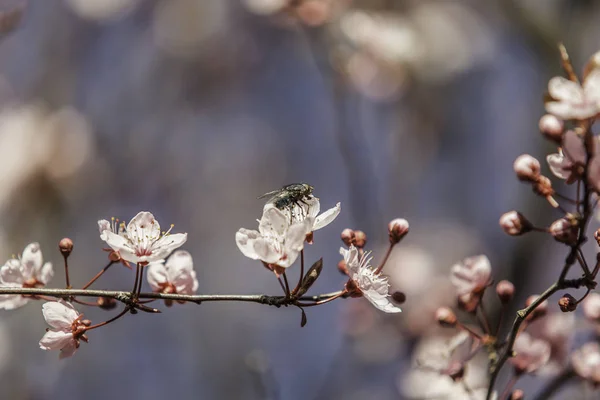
(564, 230)
(543, 186)
(567, 303)
(106, 303)
(513, 223)
(86, 322)
(399, 297)
(597, 236)
(445, 317)
(397, 228)
(66, 246)
(540, 310)
(348, 237)
(505, 291)
(360, 239)
(527, 168)
(517, 394)
(353, 289)
(468, 302)
(552, 128)
(342, 267)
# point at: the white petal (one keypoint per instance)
(46, 273)
(68, 350)
(120, 244)
(59, 315)
(143, 227)
(180, 260)
(12, 301)
(314, 206)
(384, 304)
(185, 282)
(273, 222)
(290, 258)
(296, 235)
(556, 163)
(31, 260)
(591, 86)
(563, 89)
(266, 251)
(53, 340)
(245, 239)
(11, 272)
(351, 258)
(327, 217)
(167, 244)
(103, 225)
(156, 275)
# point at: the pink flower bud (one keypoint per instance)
(505, 291)
(586, 362)
(517, 394)
(543, 186)
(360, 239)
(348, 237)
(66, 246)
(397, 228)
(527, 168)
(564, 230)
(513, 223)
(445, 317)
(552, 128)
(567, 303)
(342, 267)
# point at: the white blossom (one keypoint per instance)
(586, 362)
(530, 354)
(142, 240)
(63, 335)
(311, 207)
(279, 238)
(572, 100)
(372, 284)
(29, 271)
(177, 275)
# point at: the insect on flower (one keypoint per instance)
(289, 195)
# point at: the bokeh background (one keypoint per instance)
(191, 109)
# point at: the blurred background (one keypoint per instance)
(191, 109)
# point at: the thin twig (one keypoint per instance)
(98, 275)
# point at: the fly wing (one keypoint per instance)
(272, 194)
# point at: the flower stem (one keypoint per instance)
(98, 275)
(66, 258)
(287, 285)
(116, 317)
(301, 272)
(385, 258)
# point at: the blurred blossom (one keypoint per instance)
(101, 10)
(182, 27)
(434, 40)
(591, 307)
(435, 357)
(586, 362)
(34, 140)
(530, 354)
(558, 330)
(572, 100)
(265, 7)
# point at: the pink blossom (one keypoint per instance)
(531, 354)
(572, 100)
(591, 307)
(177, 275)
(142, 241)
(472, 275)
(28, 271)
(66, 329)
(586, 362)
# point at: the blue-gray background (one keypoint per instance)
(190, 109)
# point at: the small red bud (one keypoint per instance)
(348, 237)
(505, 291)
(527, 168)
(552, 128)
(65, 246)
(106, 303)
(567, 303)
(513, 223)
(398, 228)
(445, 317)
(360, 239)
(86, 322)
(543, 186)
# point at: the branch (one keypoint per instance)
(127, 298)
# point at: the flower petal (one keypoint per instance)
(46, 273)
(121, 244)
(327, 217)
(59, 315)
(156, 275)
(143, 227)
(167, 244)
(69, 349)
(245, 239)
(266, 251)
(12, 301)
(11, 273)
(55, 340)
(103, 225)
(273, 222)
(31, 260)
(563, 89)
(180, 260)
(383, 304)
(351, 258)
(591, 86)
(557, 164)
